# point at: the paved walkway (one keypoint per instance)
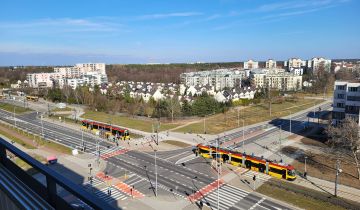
(329, 187)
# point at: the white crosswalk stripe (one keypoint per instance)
(107, 151)
(115, 195)
(250, 174)
(228, 197)
(135, 180)
(94, 183)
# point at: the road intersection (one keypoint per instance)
(183, 179)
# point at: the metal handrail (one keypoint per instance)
(52, 178)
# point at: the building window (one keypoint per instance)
(340, 87)
(353, 98)
(353, 89)
(340, 96)
(340, 105)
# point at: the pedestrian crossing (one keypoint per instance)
(114, 196)
(93, 183)
(250, 174)
(135, 181)
(110, 152)
(228, 197)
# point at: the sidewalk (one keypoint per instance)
(347, 192)
(264, 123)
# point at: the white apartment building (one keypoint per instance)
(277, 78)
(270, 64)
(80, 74)
(316, 63)
(91, 67)
(346, 101)
(219, 78)
(251, 64)
(295, 63)
(43, 79)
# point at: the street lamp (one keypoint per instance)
(243, 135)
(155, 174)
(338, 171)
(14, 118)
(305, 172)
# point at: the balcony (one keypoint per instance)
(20, 189)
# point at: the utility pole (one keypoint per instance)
(338, 171)
(82, 138)
(243, 134)
(205, 124)
(280, 141)
(218, 171)
(156, 185)
(290, 121)
(14, 118)
(238, 121)
(42, 126)
(305, 171)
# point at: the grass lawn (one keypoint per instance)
(296, 199)
(66, 109)
(10, 108)
(26, 167)
(4, 132)
(322, 165)
(251, 115)
(127, 122)
(176, 143)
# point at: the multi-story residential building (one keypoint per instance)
(270, 64)
(251, 64)
(219, 78)
(317, 63)
(295, 63)
(346, 100)
(276, 78)
(91, 67)
(80, 74)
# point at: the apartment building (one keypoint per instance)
(346, 100)
(80, 74)
(276, 78)
(270, 64)
(219, 78)
(315, 64)
(295, 63)
(251, 64)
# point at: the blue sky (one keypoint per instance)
(49, 32)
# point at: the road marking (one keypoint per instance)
(186, 159)
(205, 190)
(257, 204)
(176, 155)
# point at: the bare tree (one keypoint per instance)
(344, 139)
(173, 107)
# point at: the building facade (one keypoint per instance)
(270, 64)
(81, 74)
(220, 78)
(319, 63)
(295, 63)
(346, 101)
(277, 78)
(251, 64)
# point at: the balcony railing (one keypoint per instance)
(53, 179)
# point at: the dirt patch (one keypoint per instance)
(322, 166)
(24, 141)
(312, 142)
(176, 143)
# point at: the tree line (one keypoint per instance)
(170, 107)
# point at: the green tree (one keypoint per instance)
(204, 105)
(186, 108)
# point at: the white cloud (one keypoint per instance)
(168, 15)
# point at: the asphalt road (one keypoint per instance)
(170, 176)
